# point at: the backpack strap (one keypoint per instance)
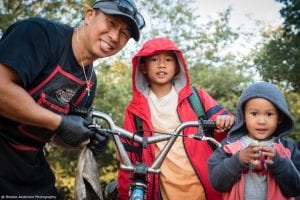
(138, 125)
(196, 104)
(139, 128)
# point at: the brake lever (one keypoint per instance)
(196, 137)
(100, 129)
(200, 134)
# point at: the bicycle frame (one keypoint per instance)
(140, 170)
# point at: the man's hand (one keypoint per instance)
(73, 130)
(98, 141)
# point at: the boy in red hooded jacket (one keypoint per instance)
(161, 88)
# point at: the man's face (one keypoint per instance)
(106, 34)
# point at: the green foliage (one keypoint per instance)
(114, 89)
(293, 101)
(279, 59)
(290, 12)
(70, 11)
(225, 84)
(216, 69)
(63, 163)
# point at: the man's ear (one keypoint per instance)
(89, 12)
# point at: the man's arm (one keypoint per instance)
(18, 105)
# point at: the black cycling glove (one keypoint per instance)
(73, 130)
(98, 141)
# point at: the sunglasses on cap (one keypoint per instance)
(128, 8)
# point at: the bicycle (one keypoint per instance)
(138, 187)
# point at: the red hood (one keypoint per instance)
(155, 46)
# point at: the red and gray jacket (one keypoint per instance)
(198, 152)
(273, 192)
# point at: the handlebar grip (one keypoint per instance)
(208, 124)
(84, 112)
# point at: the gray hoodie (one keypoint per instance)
(267, 91)
(224, 166)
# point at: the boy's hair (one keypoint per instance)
(142, 59)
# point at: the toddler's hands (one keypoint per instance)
(250, 155)
(269, 154)
(224, 122)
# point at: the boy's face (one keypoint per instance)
(160, 68)
(261, 118)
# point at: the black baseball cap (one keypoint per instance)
(126, 8)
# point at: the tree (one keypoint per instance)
(114, 89)
(290, 12)
(278, 60)
(70, 11)
(219, 71)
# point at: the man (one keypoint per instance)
(45, 70)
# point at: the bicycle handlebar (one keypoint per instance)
(171, 137)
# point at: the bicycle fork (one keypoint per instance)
(138, 187)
